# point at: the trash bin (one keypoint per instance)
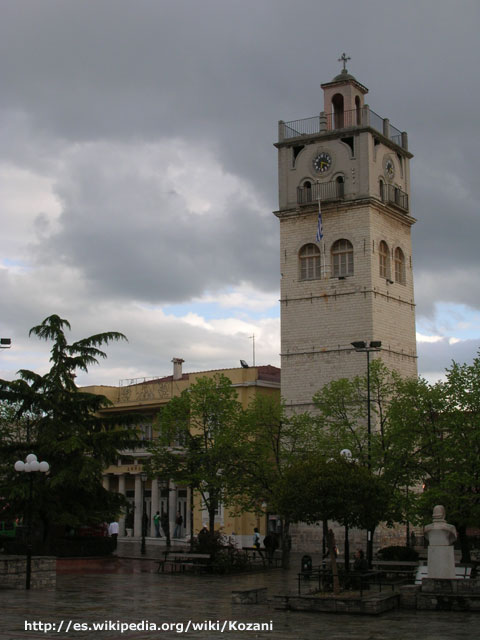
(306, 564)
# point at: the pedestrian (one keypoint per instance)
(270, 542)
(256, 538)
(156, 523)
(113, 532)
(178, 525)
(360, 563)
(165, 523)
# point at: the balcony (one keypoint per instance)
(334, 190)
(325, 122)
(320, 191)
(393, 195)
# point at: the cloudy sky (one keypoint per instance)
(138, 176)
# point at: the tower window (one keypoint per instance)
(337, 104)
(399, 266)
(382, 190)
(342, 259)
(384, 260)
(357, 110)
(307, 191)
(309, 262)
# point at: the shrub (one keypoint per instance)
(400, 554)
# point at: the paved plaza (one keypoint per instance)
(183, 599)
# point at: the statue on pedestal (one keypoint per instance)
(441, 537)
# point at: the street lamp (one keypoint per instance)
(143, 477)
(30, 465)
(360, 346)
(346, 455)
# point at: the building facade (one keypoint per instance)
(346, 273)
(145, 398)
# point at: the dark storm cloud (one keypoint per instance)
(85, 84)
(126, 227)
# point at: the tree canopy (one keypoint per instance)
(197, 439)
(50, 416)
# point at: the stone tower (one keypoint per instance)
(346, 274)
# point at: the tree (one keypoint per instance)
(197, 438)
(269, 447)
(387, 451)
(444, 420)
(62, 424)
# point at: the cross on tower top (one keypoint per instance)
(344, 59)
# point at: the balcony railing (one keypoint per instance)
(320, 191)
(363, 117)
(394, 195)
(334, 190)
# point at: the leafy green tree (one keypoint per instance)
(387, 451)
(269, 446)
(444, 419)
(62, 425)
(197, 439)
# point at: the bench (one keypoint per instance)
(179, 561)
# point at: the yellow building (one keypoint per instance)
(146, 397)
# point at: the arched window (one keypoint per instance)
(307, 191)
(309, 257)
(399, 266)
(340, 186)
(384, 260)
(382, 190)
(337, 104)
(342, 259)
(357, 110)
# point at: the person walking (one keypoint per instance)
(113, 532)
(156, 523)
(178, 525)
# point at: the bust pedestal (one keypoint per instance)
(441, 536)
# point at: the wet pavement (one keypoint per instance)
(174, 602)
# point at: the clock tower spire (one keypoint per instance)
(347, 173)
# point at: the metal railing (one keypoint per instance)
(394, 195)
(363, 117)
(320, 191)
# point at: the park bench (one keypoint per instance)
(179, 561)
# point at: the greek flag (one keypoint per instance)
(319, 224)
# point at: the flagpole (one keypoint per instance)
(319, 235)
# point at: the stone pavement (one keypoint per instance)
(179, 598)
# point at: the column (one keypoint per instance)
(106, 482)
(137, 517)
(154, 503)
(121, 490)
(172, 511)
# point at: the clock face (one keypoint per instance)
(389, 169)
(322, 162)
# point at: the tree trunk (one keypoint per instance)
(286, 545)
(464, 546)
(191, 519)
(346, 553)
(333, 561)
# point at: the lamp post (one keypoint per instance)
(347, 455)
(30, 465)
(364, 347)
(143, 477)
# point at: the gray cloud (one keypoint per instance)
(95, 92)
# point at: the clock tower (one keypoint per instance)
(345, 243)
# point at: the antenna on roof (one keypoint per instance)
(253, 345)
(244, 364)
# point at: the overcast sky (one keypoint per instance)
(138, 176)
